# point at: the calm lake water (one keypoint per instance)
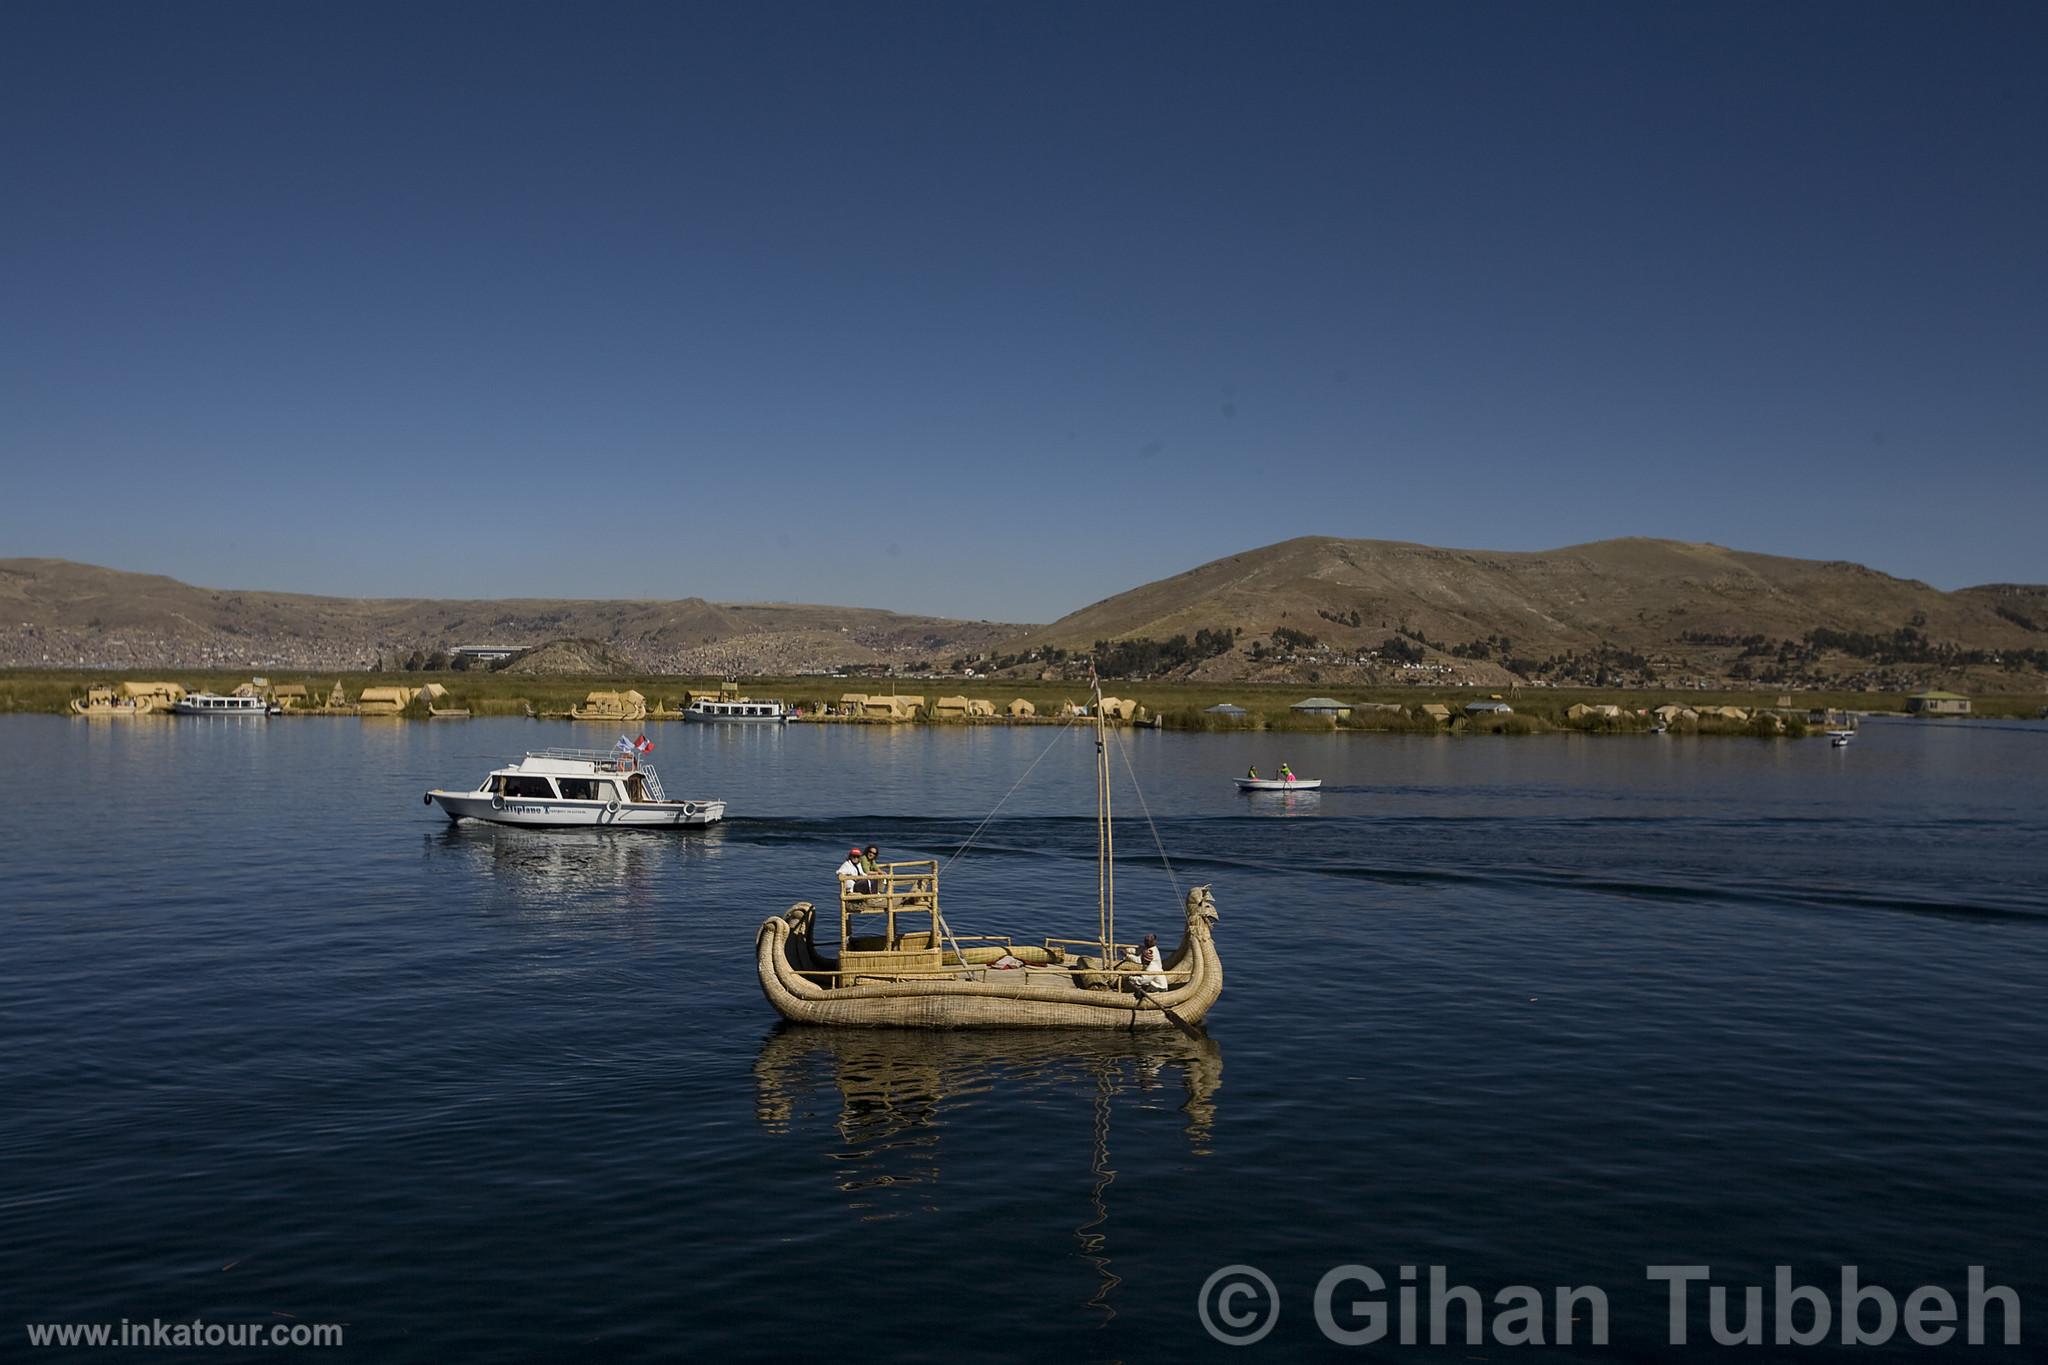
(279, 1040)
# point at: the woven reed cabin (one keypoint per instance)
(612, 706)
(382, 701)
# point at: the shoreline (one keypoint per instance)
(1180, 706)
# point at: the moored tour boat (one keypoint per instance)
(213, 704)
(576, 788)
(917, 973)
(738, 710)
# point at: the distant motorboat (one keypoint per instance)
(1278, 784)
(564, 788)
(1840, 738)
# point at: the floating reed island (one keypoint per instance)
(639, 700)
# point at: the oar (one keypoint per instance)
(1183, 1025)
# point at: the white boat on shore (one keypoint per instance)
(1278, 784)
(576, 788)
(740, 711)
(213, 704)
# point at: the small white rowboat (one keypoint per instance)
(1278, 784)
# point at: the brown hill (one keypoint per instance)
(1682, 608)
(570, 658)
(61, 613)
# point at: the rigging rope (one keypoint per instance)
(969, 842)
(1157, 842)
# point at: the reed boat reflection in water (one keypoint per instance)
(889, 1100)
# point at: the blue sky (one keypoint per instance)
(997, 310)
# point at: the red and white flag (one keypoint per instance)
(644, 744)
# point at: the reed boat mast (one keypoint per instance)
(1105, 840)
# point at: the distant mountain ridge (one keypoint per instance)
(1315, 608)
(60, 613)
(1678, 607)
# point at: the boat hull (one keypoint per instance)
(699, 718)
(551, 813)
(784, 951)
(1274, 784)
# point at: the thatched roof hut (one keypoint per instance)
(950, 706)
(1020, 708)
(383, 701)
(1435, 710)
(1119, 708)
(980, 706)
(160, 693)
(628, 705)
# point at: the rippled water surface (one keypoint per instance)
(279, 1040)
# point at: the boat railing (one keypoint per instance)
(606, 760)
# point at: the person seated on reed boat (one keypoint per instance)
(849, 875)
(870, 863)
(1153, 977)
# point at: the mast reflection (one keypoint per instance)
(890, 1096)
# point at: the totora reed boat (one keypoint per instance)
(917, 973)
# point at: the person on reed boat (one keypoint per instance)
(870, 864)
(848, 873)
(1148, 958)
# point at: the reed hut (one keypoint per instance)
(292, 696)
(1020, 709)
(980, 706)
(382, 701)
(336, 697)
(892, 708)
(950, 708)
(161, 696)
(1119, 708)
(1436, 711)
(619, 706)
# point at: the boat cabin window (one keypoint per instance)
(579, 789)
(528, 787)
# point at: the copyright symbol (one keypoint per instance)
(1238, 1305)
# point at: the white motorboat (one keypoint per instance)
(213, 704)
(742, 710)
(1278, 784)
(1840, 738)
(576, 788)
